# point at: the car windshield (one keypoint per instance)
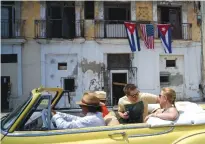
(11, 118)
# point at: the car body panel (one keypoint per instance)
(194, 137)
(130, 133)
(134, 133)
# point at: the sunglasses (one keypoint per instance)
(160, 95)
(135, 95)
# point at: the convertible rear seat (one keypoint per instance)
(190, 113)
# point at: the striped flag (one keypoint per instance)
(132, 35)
(148, 35)
(165, 35)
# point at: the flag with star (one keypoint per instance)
(165, 36)
(132, 35)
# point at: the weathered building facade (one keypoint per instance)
(83, 46)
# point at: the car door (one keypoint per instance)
(137, 133)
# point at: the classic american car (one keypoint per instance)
(28, 124)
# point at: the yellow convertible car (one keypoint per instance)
(29, 125)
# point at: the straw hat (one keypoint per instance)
(101, 95)
(89, 99)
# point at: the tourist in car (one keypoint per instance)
(167, 110)
(133, 107)
(91, 108)
(102, 96)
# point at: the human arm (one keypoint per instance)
(149, 98)
(171, 115)
(121, 111)
(61, 123)
(65, 116)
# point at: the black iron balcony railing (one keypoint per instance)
(116, 29)
(59, 29)
(110, 29)
(12, 28)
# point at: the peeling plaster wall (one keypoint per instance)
(89, 29)
(31, 66)
(87, 65)
(192, 18)
(30, 11)
(90, 57)
(14, 70)
(176, 78)
(99, 10)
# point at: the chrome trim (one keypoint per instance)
(123, 134)
(73, 131)
(3, 132)
(152, 134)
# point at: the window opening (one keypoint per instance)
(89, 9)
(62, 66)
(170, 63)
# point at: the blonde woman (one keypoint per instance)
(168, 110)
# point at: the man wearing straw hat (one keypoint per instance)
(91, 108)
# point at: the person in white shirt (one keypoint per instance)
(91, 108)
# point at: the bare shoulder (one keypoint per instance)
(172, 109)
(122, 99)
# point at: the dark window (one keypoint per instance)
(7, 2)
(117, 10)
(69, 84)
(62, 66)
(89, 9)
(171, 15)
(61, 19)
(170, 63)
(164, 79)
(118, 60)
(9, 58)
(7, 17)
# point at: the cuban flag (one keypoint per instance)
(132, 35)
(165, 35)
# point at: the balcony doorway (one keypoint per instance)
(119, 79)
(171, 15)
(61, 19)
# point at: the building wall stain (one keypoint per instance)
(89, 29)
(91, 73)
(94, 85)
(30, 11)
(99, 5)
(85, 65)
(75, 70)
(176, 80)
(192, 18)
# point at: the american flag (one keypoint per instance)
(148, 35)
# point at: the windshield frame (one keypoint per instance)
(10, 119)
